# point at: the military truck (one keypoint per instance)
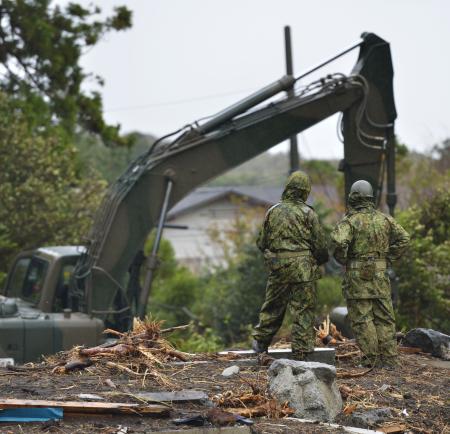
(35, 318)
(60, 296)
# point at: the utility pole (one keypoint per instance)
(293, 153)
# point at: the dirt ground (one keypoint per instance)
(418, 393)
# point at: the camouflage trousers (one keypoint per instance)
(301, 300)
(373, 323)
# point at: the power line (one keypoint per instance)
(180, 101)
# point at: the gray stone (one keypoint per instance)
(230, 371)
(309, 387)
(370, 418)
(429, 341)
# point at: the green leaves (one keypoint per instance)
(40, 51)
(42, 199)
(423, 271)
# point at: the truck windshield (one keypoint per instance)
(28, 278)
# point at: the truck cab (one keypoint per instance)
(35, 318)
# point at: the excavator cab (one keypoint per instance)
(35, 318)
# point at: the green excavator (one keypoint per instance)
(57, 297)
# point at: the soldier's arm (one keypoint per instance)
(261, 240)
(340, 241)
(398, 240)
(319, 244)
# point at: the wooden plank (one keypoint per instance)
(88, 407)
(186, 395)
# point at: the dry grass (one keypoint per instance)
(142, 352)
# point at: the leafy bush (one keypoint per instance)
(174, 290)
(233, 296)
(424, 271)
(199, 341)
(329, 294)
(43, 200)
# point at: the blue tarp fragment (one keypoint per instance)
(31, 414)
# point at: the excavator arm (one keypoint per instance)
(157, 180)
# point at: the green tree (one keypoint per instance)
(109, 161)
(424, 276)
(174, 289)
(42, 198)
(40, 50)
(233, 295)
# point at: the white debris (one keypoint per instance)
(230, 371)
(90, 397)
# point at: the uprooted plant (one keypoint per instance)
(140, 352)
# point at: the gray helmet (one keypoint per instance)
(362, 187)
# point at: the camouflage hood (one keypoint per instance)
(358, 201)
(297, 187)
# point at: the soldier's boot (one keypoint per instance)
(369, 362)
(259, 347)
(389, 363)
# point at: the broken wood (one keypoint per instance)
(110, 383)
(348, 355)
(121, 349)
(410, 350)
(349, 408)
(74, 365)
(346, 374)
(390, 429)
(271, 409)
(88, 407)
(172, 329)
(177, 396)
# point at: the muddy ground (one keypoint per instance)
(418, 393)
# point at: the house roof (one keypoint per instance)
(258, 195)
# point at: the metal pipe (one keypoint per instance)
(171, 226)
(283, 84)
(152, 260)
(293, 151)
(242, 106)
(326, 62)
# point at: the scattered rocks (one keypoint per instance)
(309, 387)
(370, 418)
(429, 341)
(230, 371)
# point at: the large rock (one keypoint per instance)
(370, 418)
(429, 341)
(309, 387)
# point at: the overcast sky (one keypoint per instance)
(185, 59)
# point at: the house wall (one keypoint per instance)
(193, 246)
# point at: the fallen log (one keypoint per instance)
(88, 407)
(121, 349)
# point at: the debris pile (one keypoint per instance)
(141, 352)
(328, 334)
(251, 399)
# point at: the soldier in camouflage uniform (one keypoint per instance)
(366, 241)
(294, 245)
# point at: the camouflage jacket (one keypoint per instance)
(362, 234)
(293, 226)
